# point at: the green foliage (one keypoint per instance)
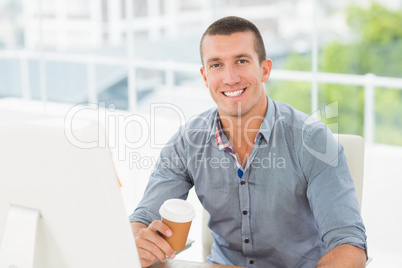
(297, 94)
(377, 50)
(382, 60)
(297, 62)
(375, 25)
(350, 106)
(388, 116)
(339, 58)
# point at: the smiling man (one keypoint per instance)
(302, 213)
(235, 75)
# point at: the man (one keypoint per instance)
(275, 183)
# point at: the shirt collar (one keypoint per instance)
(266, 126)
(269, 120)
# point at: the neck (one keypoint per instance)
(242, 130)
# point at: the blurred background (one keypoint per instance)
(141, 57)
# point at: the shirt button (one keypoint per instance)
(244, 212)
(251, 262)
(242, 182)
(246, 240)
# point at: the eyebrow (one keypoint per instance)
(244, 55)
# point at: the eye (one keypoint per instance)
(214, 65)
(242, 61)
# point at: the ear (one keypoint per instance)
(266, 67)
(204, 76)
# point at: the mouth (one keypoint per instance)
(232, 94)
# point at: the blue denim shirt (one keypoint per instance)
(294, 201)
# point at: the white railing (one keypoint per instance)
(368, 81)
(158, 17)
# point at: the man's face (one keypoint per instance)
(233, 74)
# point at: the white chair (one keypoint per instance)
(354, 150)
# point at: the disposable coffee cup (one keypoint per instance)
(177, 214)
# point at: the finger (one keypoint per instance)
(159, 226)
(156, 239)
(151, 251)
(146, 257)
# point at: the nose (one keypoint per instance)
(231, 76)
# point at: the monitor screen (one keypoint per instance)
(63, 173)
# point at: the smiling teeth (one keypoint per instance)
(234, 93)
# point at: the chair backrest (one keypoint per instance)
(354, 150)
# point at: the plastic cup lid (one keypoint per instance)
(177, 210)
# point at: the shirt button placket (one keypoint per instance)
(244, 194)
(250, 263)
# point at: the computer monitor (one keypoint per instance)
(60, 203)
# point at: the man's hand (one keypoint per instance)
(150, 243)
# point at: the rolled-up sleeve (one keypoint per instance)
(169, 179)
(331, 191)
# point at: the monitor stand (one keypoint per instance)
(18, 246)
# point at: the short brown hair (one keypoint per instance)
(232, 24)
